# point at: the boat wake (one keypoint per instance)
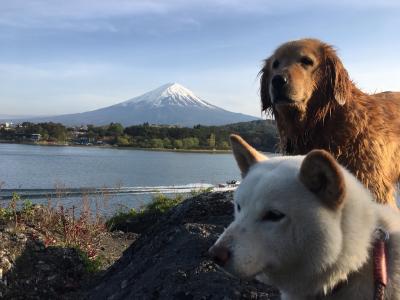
(7, 194)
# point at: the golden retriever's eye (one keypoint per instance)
(273, 216)
(306, 61)
(275, 64)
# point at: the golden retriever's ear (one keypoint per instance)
(245, 155)
(322, 175)
(339, 84)
(264, 88)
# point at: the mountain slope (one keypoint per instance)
(169, 104)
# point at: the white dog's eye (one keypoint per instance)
(238, 207)
(273, 216)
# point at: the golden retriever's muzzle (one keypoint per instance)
(279, 87)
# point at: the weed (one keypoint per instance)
(13, 206)
(62, 226)
(162, 203)
(200, 191)
(11, 211)
(59, 226)
(158, 206)
(27, 206)
(91, 265)
(122, 216)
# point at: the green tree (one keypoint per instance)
(115, 129)
(224, 145)
(190, 143)
(124, 140)
(44, 135)
(211, 141)
(167, 143)
(157, 143)
(178, 144)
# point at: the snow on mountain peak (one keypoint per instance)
(170, 94)
(175, 89)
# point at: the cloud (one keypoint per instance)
(53, 71)
(109, 15)
(375, 78)
(57, 88)
(84, 15)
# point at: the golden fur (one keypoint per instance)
(319, 107)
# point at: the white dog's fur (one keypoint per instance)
(325, 238)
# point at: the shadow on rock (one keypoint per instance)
(169, 260)
(43, 273)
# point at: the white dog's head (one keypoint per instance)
(288, 216)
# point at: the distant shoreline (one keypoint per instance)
(178, 150)
(206, 151)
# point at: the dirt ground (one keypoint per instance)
(157, 259)
(170, 261)
(31, 270)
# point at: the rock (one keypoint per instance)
(44, 267)
(51, 278)
(124, 283)
(5, 264)
(22, 237)
(169, 260)
(9, 229)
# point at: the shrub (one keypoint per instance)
(124, 140)
(59, 226)
(91, 265)
(152, 211)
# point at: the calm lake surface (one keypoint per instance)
(37, 167)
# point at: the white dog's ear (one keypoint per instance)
(245, 155)
(322, 175)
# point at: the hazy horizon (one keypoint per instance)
(76, 56)
(11, 116)
(16, 118)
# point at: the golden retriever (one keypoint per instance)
(305, 86)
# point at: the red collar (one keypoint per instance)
(380, 263)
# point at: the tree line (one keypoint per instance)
(261, 134)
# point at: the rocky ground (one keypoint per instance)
(170, 261)
(32, 269)
(164, 259)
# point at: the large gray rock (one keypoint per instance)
(170, 260)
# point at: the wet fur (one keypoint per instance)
(362, 131)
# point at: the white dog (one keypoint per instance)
(306, 225)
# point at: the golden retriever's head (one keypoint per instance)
(300, 71)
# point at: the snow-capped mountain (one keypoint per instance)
(171, 104)
(169, 94)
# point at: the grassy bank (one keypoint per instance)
(137, 220)
(77, 227)
(50, 251)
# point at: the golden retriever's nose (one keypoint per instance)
(278, 82)
(219, 254)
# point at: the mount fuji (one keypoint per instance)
(170, 104)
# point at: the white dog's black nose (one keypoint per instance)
(219, 254)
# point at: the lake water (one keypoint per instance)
(45, 167)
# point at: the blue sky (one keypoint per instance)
(71, 56)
